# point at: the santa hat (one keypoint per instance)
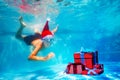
(46, 30)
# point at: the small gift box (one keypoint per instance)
(75, 68)
(98, 66)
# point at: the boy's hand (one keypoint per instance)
(55, 29)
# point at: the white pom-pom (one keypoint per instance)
(48, 19)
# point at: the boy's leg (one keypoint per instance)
(19, 32)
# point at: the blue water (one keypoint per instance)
(89, 24)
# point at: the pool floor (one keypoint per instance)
(56, 72)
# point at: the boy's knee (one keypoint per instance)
(18, 37)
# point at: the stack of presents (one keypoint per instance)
(85, 63)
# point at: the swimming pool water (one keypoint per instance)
(89, 24)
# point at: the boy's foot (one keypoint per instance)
(21, 21)
(20, 18)
(23, 24)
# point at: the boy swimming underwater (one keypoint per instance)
(38, 40)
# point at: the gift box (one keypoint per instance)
(79, 57)
(98, 66)
(84, 72)
(75, 68)
(95, 57)
(86, 58)
(86, 63)
(99, 71)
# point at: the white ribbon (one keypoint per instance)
(91, 70)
